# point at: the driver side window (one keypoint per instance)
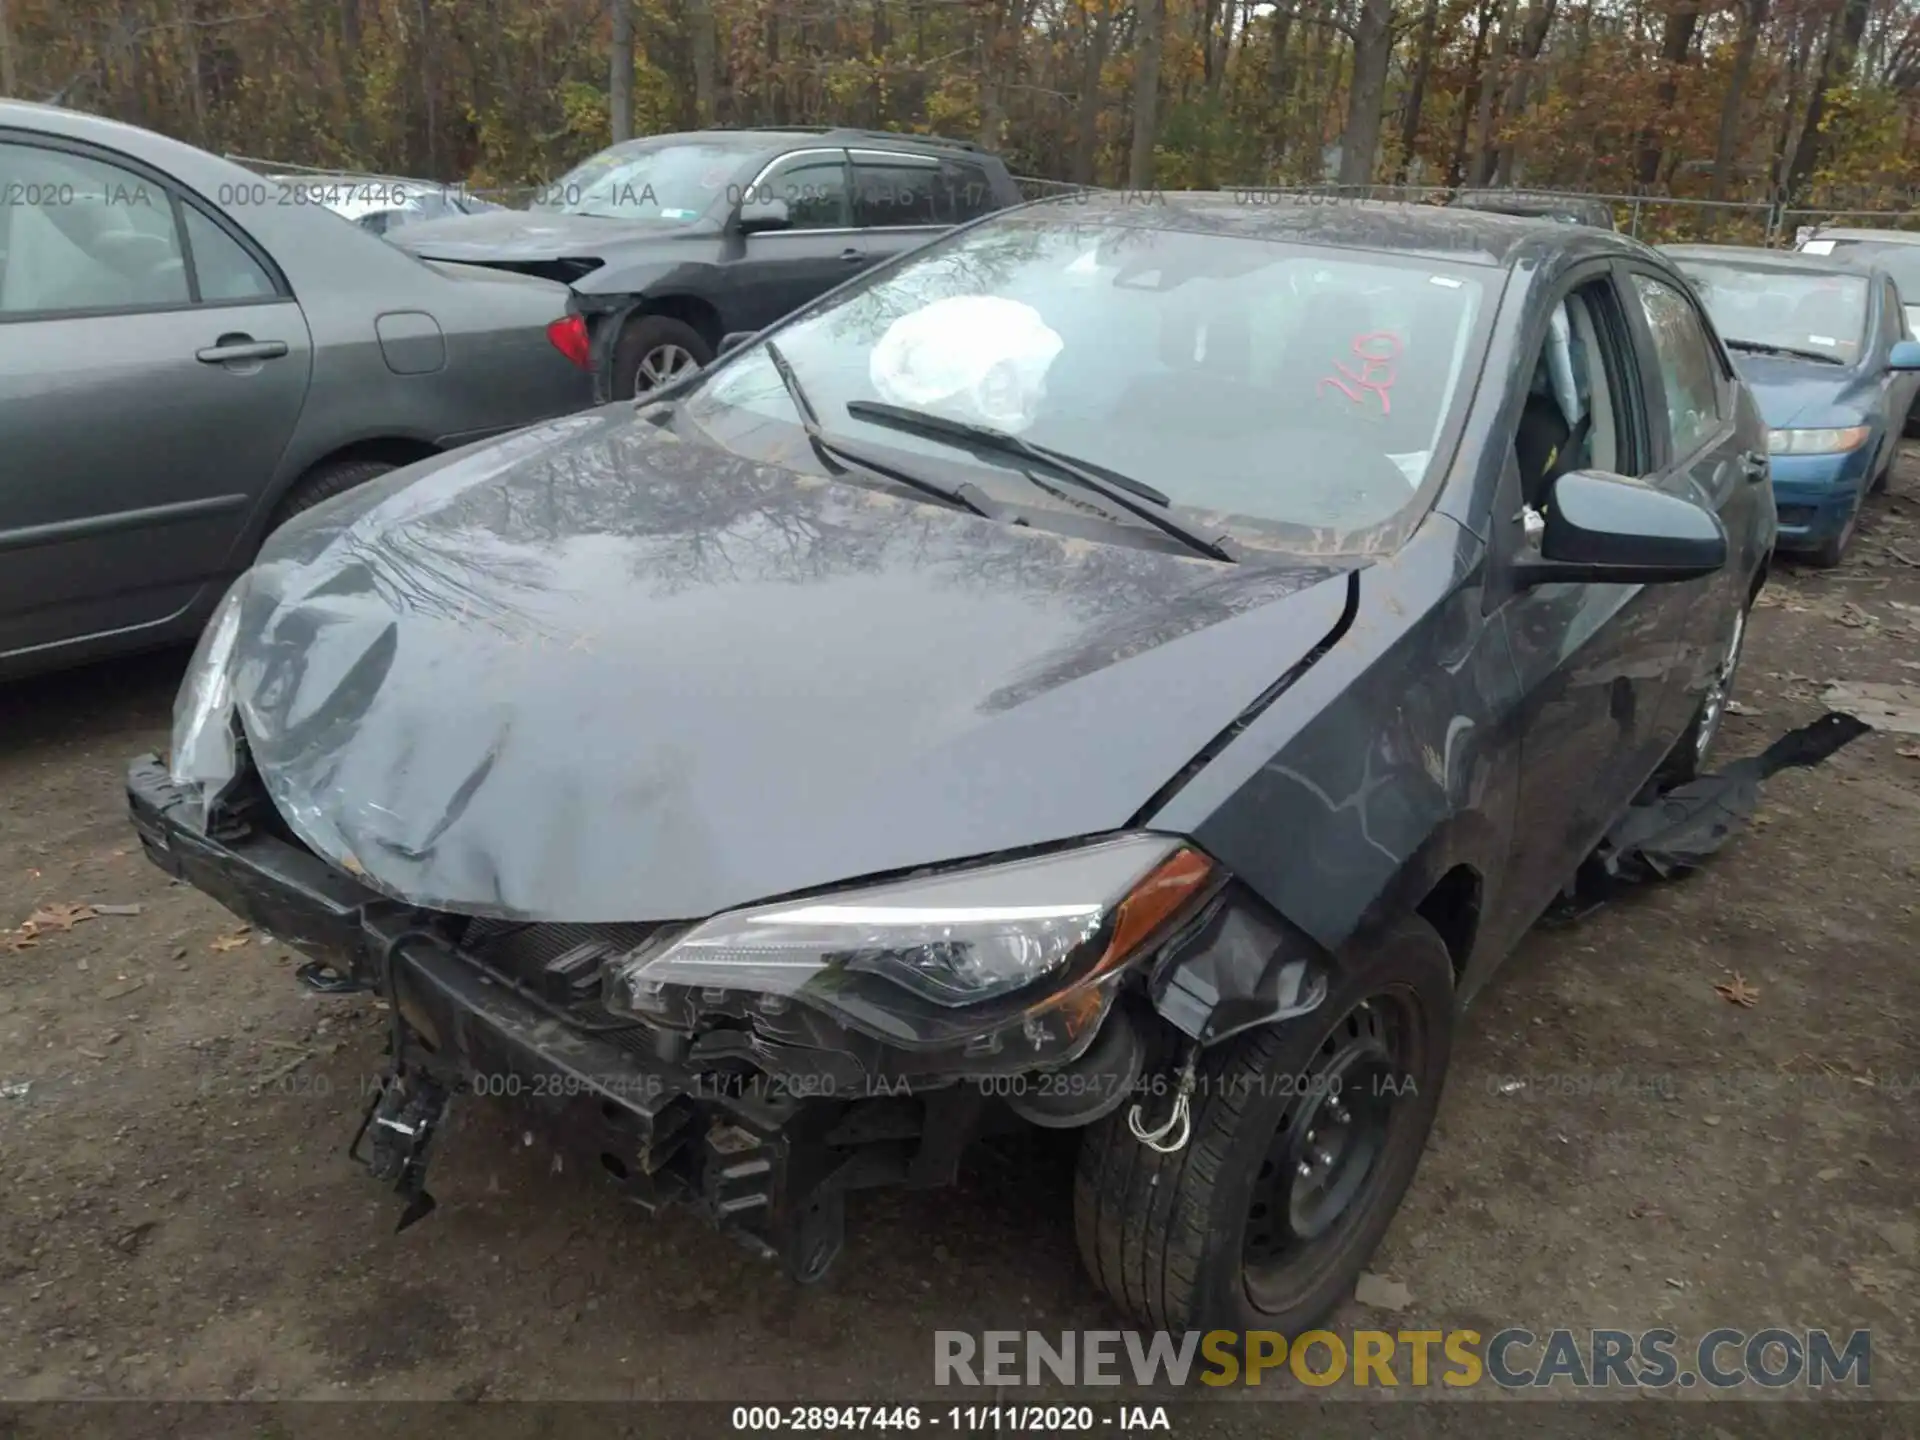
(1572, 416)
(81, 234)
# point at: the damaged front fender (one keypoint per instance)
(1237, 965)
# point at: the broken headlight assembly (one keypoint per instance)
(1009, 965)
(202, 758)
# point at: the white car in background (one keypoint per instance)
(1895, 251)
(380, 203)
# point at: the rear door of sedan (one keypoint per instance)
(153, 364)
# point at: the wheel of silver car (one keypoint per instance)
(1304, 1138)
(656, 350)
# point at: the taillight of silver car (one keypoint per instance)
(569, 337)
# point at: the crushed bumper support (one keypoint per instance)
(771, 1169)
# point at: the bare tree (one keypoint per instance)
(1753, 16)
(1366, 97)
(1146, 94)
(620, 73)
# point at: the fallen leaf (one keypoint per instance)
(1885, 707)
(1645, 1210)
(1738, 992)
(1382, 1293)
(230, 942)
(117, 909)
(1734, 707)
(58, 917)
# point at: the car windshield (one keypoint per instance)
(674, 181)
(1272, 385)
(1823, 314)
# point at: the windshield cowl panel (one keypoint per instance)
(1292, 397)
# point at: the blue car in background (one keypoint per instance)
(1825, 347)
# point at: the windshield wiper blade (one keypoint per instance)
(1763, 347)
(984, 439)
(838, 459)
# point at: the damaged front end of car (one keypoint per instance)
(760, 1064)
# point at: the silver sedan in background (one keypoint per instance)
(191, 352)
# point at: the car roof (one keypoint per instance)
(1466, 235)
(787, 137)
(1759, 257)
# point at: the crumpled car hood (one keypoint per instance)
(524, 235)
(594, 673)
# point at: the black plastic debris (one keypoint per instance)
(1670, 834)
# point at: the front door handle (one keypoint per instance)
(1753, 465)
(852, 256)
(230, 348)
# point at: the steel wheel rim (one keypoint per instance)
(1721, 691)
(660, 365)
(1323, 1165)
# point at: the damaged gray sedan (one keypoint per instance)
(1126, 668)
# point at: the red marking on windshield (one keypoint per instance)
(1378, 350)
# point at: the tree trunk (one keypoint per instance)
(620, 75)
(1533, 39)
(1372, 52)
(1486, 117)
(703, 43)
(1676, 39)
(1457, 166)
(992, 96)
(1836, 62)
(1417, 89)
(1093, 59)
(9, 76)
(1146, 95)
(427, 65)
(1753, 16)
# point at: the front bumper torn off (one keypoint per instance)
(771, 1168)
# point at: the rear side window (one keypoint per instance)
(966, 191)
(85, 235)
(1688, 372)
(224, 269)
(893, 192)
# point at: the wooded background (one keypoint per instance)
(1807, 101)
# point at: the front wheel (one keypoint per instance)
(1304, 1137)
(1690, 754)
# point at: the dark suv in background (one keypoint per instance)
(674, 241)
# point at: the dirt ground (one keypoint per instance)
(1619, 1145)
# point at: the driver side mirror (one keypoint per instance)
(1905, 355)
(769, 213)
(1604, 529)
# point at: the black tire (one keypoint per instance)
(1167, 1236)
(648, 340)
(1880, 480)
(1833, 549)
(323, 482)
